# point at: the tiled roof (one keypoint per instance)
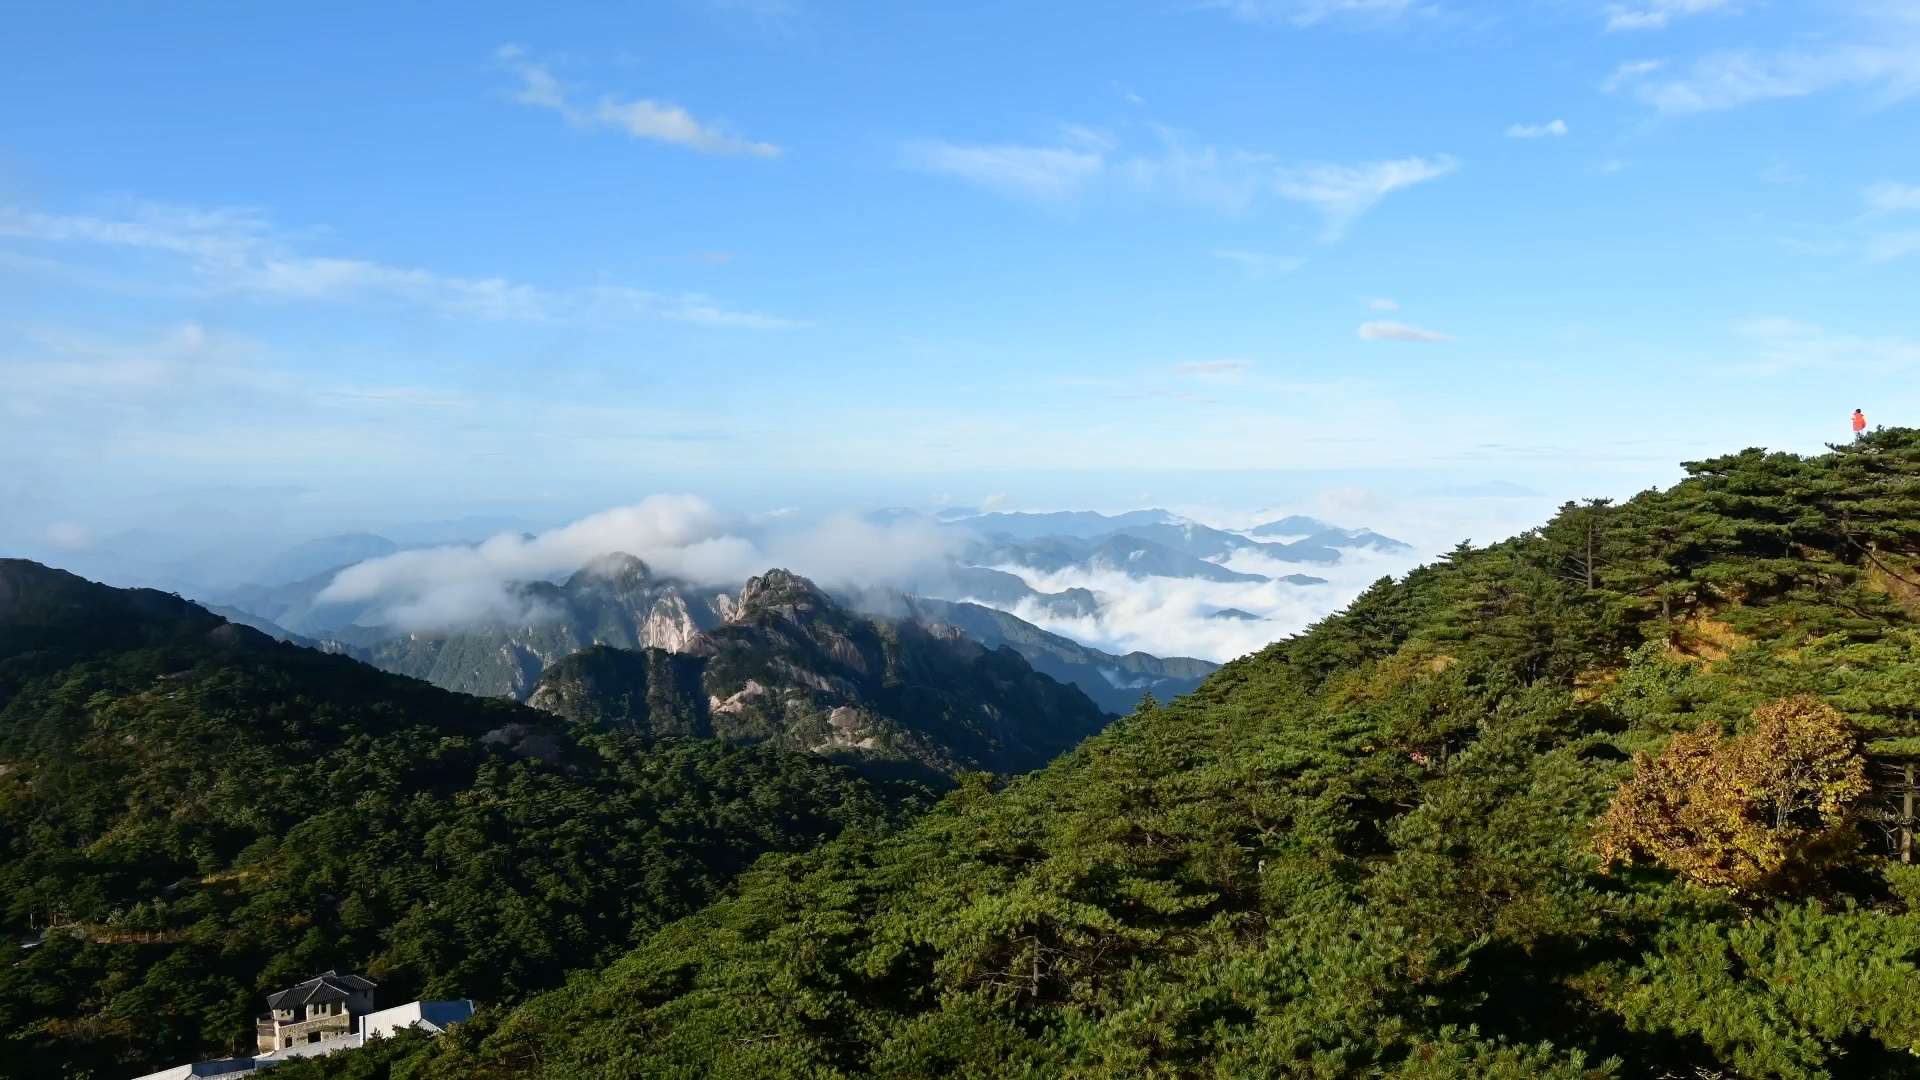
(333, 986)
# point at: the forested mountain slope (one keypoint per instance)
(1369, 850)
(192, 814)
(1115, 683)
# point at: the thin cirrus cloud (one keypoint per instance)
(1041, 173)
(1888, 197)
(239, 253)
(1786, 344)
(1730, 80)
(1342, 193)
(1313, 12)
(1260, 264)
(1537, 131)
(1230, 180)
(1657, 15)
(1211, 367)
(1395, 331)
(641, 118)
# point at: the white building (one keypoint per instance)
(326, 1013)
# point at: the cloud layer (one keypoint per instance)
(680, 536)
(240, 252)
(1394, 331)
(1232, 180)
(641, 118)
(1344, 192)
(1537, 131)
(1313, 12)
(1730, 80)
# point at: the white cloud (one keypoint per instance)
(680, 536)
(1311, 12)
(1730, 80)
(1224, 179)
(1393, 331)
(184, 363)
(667, 123)
(1350, 500)
(1211, 367)
(641, 118)
(1381, 303)
(1260, 264)
(1659, 13)
(1046, 174)
(1627, 72)
(1786, 345)
(1536, 131)
(68, 536)
(1889, 197)
(1885, 247)
(1342, 193)
(237, 252)
(995, 501)
(1171, 616)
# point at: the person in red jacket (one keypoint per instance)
(1859, 423)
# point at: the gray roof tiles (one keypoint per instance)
(332, 986)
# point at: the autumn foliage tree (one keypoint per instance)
(1753, 813)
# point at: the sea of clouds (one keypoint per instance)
(685, 537)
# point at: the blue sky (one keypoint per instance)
(332, 266)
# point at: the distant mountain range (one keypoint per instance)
(616, 602)
(1156, 543)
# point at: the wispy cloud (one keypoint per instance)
(1393, 331)
(1730, 80)
(1043, 173)
(1536, 131)
(1888, 197)
(1628, 71)
(1342, 193)
(1260, 264)
(187, 361)
(641, 118)
(1656, 15)
(1786, 345)
(1085, 161)
(1381, 303)
(1211, 367)
(1311, 12)
(238, 252)
(1884, 247)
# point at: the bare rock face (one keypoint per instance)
(737, 703)
(669, 625)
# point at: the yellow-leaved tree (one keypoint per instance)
(1761, 812)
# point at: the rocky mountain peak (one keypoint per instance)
(780, 593)
(619, 569)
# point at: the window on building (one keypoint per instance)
(313, 1036)
(289, 1040)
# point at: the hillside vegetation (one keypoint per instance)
(193, 815)
(1370, 850)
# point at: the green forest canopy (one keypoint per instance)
(193, 815)
(1363, 851)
